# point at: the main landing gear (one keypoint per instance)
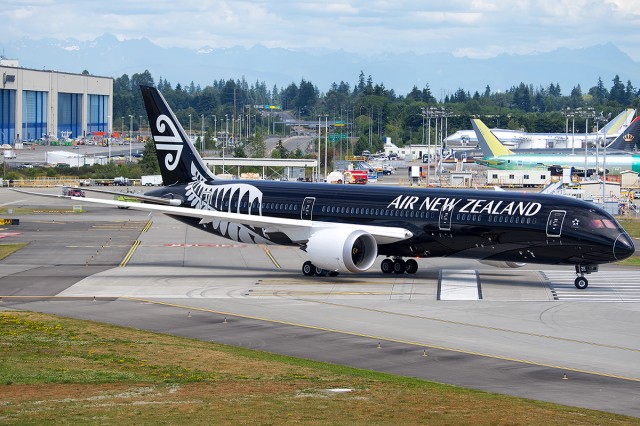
(581, 282)
(309, 270)
(399, 266)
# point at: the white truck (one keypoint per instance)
(9, 154)
(121, 181)
(151, 180)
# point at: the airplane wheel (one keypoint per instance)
(334, 273)
(581, 283)
(399, 266)
(411, 266)
(320, 272)
(308, 269)
(387, 266)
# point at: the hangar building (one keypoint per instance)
(43, 104)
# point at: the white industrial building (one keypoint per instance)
(43, 104)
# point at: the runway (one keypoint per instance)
(529, 333)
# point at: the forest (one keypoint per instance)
(372, 111)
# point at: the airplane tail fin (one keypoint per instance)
(179, 161)
(619, 123)
(489, 143)
(628, 139)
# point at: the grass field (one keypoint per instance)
(58, 370)
(7, 249)
(633, 228)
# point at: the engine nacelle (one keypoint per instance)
(503, 264)
(342, 250)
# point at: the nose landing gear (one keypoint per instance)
(581, 282)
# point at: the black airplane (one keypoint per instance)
(344, 228)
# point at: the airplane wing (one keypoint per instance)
(490, 162)
(297, 230)
(142, 197)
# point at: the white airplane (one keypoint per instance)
(523, 140)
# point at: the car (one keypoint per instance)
(73, 192)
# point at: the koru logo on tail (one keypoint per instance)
(172, 143)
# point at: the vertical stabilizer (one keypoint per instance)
(179, 161)
(619, 123)
(627, 140)
(489, 143)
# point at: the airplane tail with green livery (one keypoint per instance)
(619, 123)
(489, 143)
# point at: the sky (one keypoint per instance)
(471, 28)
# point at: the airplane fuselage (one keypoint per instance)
(496, 226)
(615, 164)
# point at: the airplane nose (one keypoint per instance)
(623, 247)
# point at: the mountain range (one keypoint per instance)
(443, 72)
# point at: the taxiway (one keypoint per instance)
(529, 332)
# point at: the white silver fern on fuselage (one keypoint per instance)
(203, 196)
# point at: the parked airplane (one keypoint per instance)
(516, 139)
(498, 156)
(344, 228)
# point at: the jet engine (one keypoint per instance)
(503, 264)
(342, 250)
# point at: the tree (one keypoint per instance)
(238, 152)
(599, 92)
(361, 145)
(280, 151)
(288, 95)
(306, 98)
(576, 97)
(617, 93)
(257, 146)
(149, 161)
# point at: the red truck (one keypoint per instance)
(355, 176)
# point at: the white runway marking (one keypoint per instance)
(609, 286)
(458, 285)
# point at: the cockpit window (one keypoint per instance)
(603, 223)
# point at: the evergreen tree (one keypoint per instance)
(617, 93)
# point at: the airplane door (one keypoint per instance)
(554, 223)
(445, 220)
(307, 208)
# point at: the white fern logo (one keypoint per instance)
(172, 142)
(231, 198)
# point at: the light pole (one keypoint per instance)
(215, 127)
(109, 138)
(604, 159)
(588, 112)
(189, 127)
(130, 134)
(570, 113)
(326, 144)
(319, 149)
(202, 144)
(226, 138)
(140, 127)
